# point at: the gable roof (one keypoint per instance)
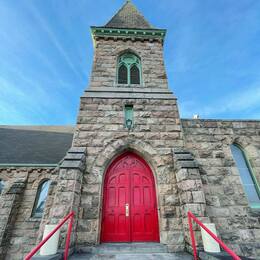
(37, 145)
(129, 17)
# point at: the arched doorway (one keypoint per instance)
(129, 202)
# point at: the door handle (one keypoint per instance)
(127, 210)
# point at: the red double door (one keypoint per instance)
(129, 202)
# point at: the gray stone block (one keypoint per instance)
(188, 164)
(74, 156)
(183, 157)
(71, 164)
(75, 149)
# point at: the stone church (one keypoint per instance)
(130, 168)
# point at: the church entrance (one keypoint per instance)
(129, 202)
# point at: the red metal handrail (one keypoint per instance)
(69, 217)
(193, 241)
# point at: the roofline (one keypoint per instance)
(125, 33)
(44, 128)
(32, 165)
(123, 28)
(222, 120)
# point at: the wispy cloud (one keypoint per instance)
(37, 105)
(237, 102)
(211, 52)
(45, 26)
(19, 46)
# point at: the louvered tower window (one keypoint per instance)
(122, 74)
(134, 75)
(129, 69)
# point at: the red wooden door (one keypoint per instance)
(129, 202)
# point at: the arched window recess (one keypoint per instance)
(129, 69)
(40, 200)
(249, 181)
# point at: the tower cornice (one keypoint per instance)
(132, 34)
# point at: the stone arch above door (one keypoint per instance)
(115, 148)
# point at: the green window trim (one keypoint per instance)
(129, 115)
(251, 170)
(129, 60)
(255, 205)
(120, 33)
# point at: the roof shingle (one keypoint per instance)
(129, 17)
(34, 145)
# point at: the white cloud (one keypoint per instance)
(241, 101)
(237, 102)
(44, 25)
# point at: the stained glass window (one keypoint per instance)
(2, 185)
(122, 74)
(248, 180)
(134, 75)
(41, 197)
(129, 69)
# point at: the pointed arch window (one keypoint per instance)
(40, 200)
(129, 69)
(134, 75)
(249, 181)
(2, 185)
(122, 74)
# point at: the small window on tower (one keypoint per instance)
(129, 116)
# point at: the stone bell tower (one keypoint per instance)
(128, 118)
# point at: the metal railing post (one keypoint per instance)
(70, 216)
(220, 242)
(193, 241)
(68, 238)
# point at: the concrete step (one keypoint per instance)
(133, 256)
(125, 251)
(219, 256)
(125, 248)
(50, 257)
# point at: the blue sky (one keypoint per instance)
(212, 56)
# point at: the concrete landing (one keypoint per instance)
(137, 256)
(125, 251)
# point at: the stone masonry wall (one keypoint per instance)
(227, 206)
(105, 62)
(9, 203)
(66, 198)
(25, 228)
(101, 129)
(190, 190)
